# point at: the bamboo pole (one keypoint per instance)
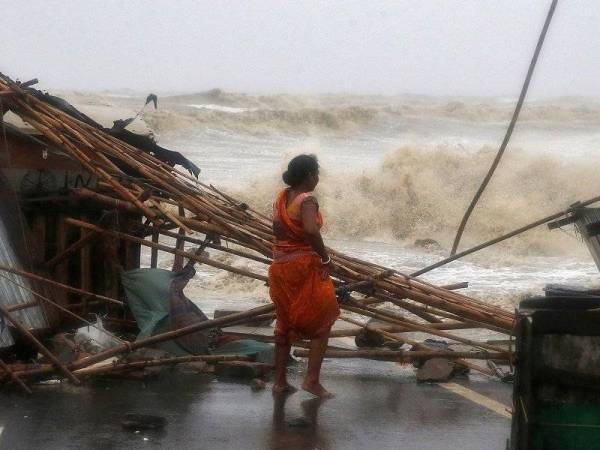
(64, 287)
(506, 236)
(170, 335)
(13, 377)
(165, 248)
(20, 306)
(70, 250)
(212, 211)
(417, 345)
(221, 248)
(68, 310)
(153, 340)
(116, 367)
(467, 323)
(42, 349)
(197, 225)
(390, 317)
(401, 356)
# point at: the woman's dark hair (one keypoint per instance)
(299, 168)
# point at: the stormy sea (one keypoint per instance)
(396, 171)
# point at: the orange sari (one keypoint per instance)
(305, 303)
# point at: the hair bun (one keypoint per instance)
(299, 168)
(287, 178)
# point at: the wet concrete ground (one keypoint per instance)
(377, 406)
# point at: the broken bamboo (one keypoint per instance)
(120, 366)
(13, 377)
(42, 349)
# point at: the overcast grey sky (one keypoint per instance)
(437, 47)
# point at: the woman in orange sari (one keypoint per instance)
(299, 281)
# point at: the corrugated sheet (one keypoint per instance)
(11, 293)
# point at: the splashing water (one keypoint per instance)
(398, 169)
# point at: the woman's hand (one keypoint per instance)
(327, 270)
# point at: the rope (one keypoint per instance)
(509, 131)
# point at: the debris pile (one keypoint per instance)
(176, 205)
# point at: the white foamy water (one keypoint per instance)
(227, 109)
(399, 169)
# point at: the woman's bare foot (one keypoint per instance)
(284, 389)
(317, 389)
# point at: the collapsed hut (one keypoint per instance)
(87, 199)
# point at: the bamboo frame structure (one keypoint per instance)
(135, 181)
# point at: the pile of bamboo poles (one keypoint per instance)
(178, 206)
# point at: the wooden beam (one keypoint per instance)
(85, 240)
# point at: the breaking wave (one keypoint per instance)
(264, 121)
(422, 192)
(263, 115)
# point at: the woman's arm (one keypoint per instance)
(311, 228)
(313, 235)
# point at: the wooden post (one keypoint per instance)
(154, 251)
(61, 270)
(38, 230)
(85, 268)
(111, 266)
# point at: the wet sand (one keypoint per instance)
(378, 405)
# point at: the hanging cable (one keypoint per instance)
(509, 131)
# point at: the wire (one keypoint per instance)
(509, 131)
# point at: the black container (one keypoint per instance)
(556, 397)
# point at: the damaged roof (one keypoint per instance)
(113, 120)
